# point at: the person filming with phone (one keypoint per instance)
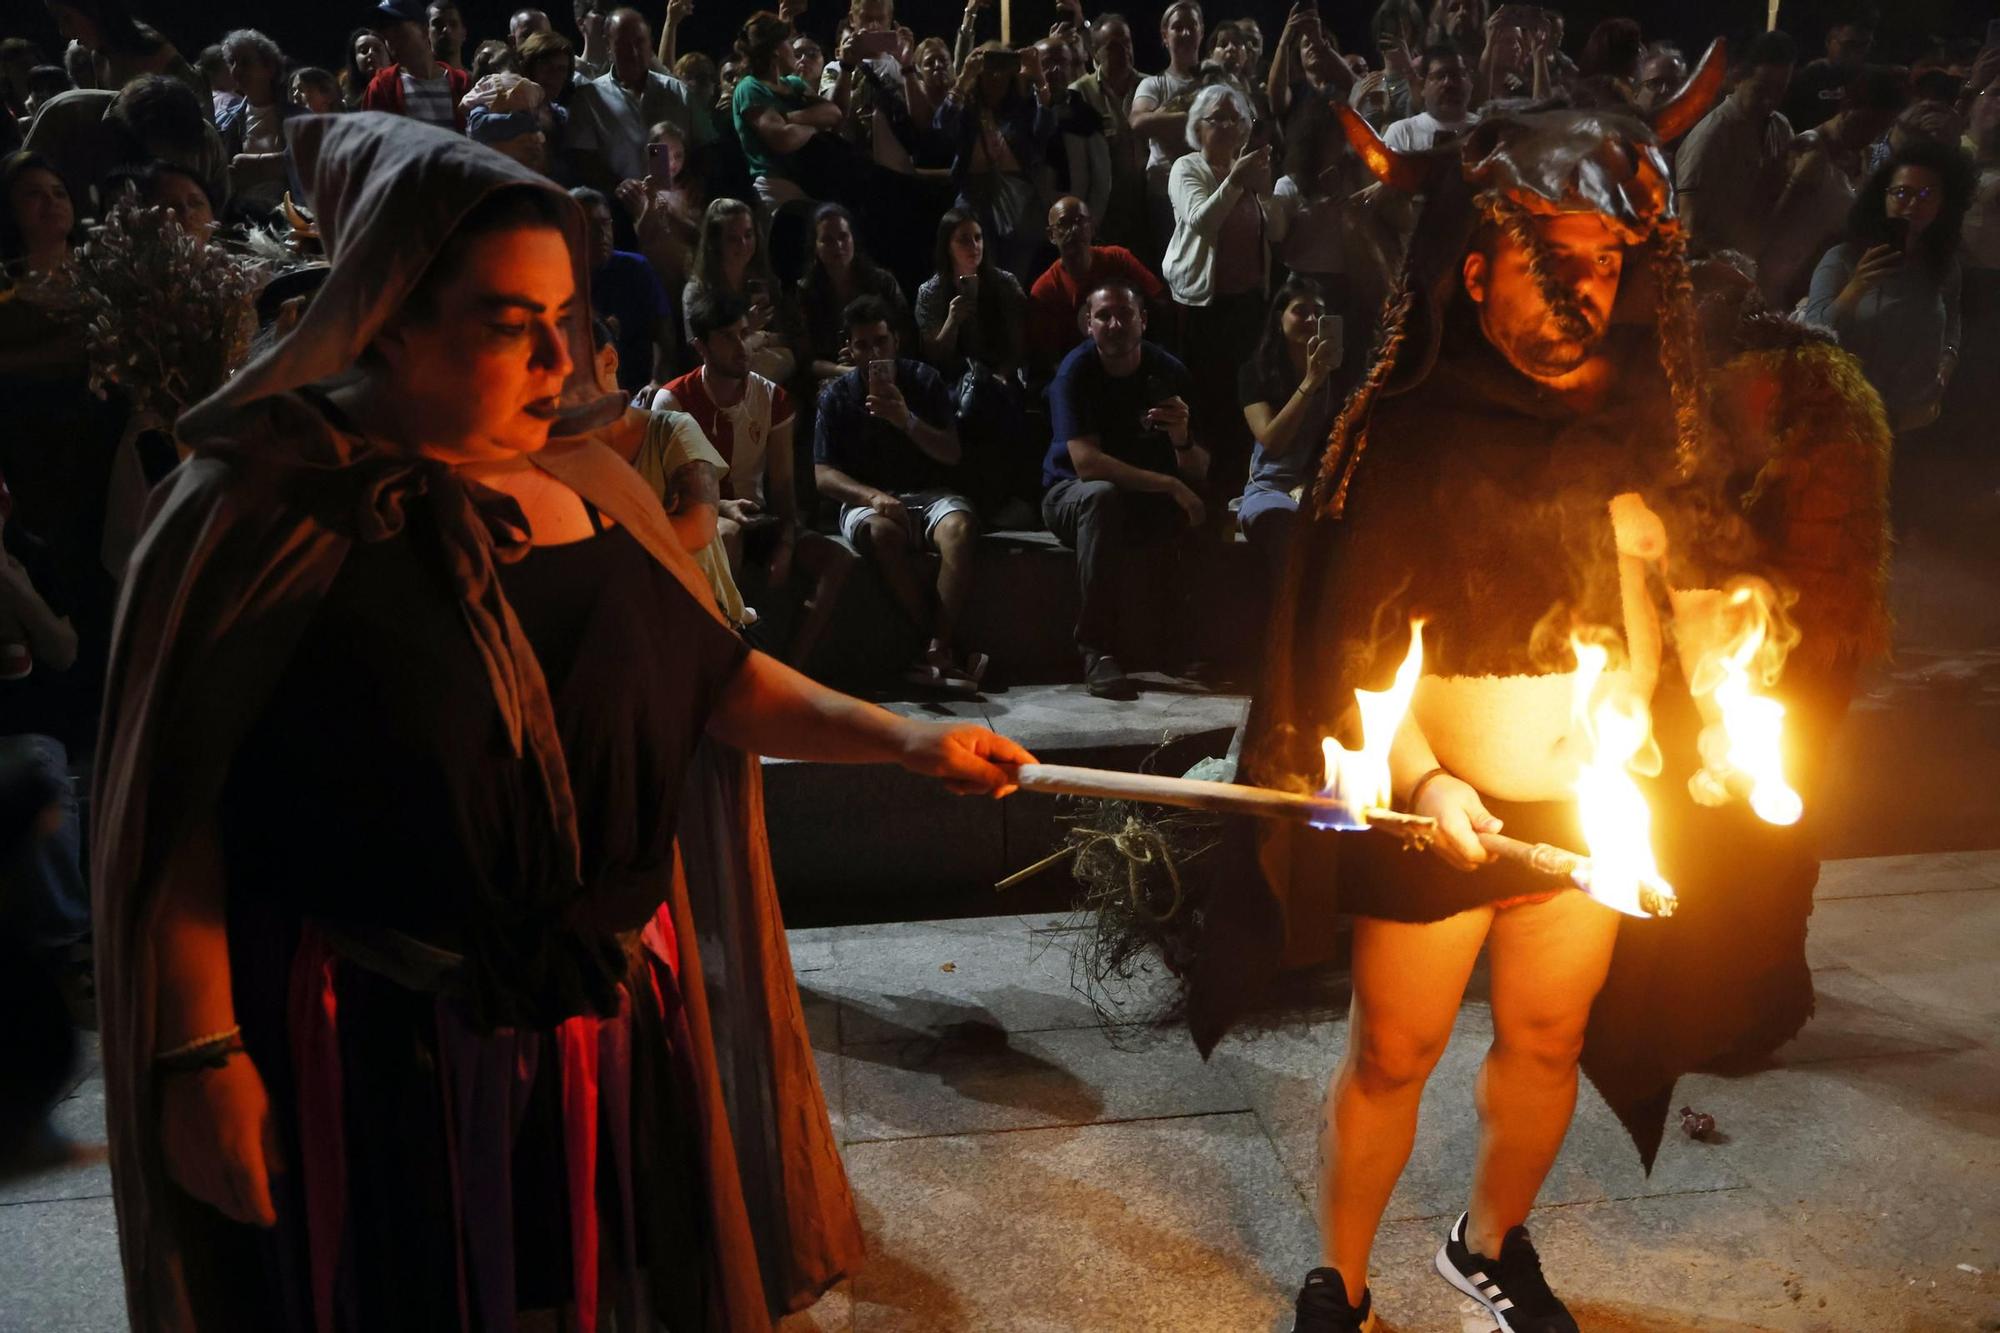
(1890, 292)
(1123, 477)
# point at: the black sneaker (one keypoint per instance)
(1511, 1287)
(1105, 679)
(1322, 1306)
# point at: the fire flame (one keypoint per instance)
(1358, 780)
(1617, 825)
(1744, 747)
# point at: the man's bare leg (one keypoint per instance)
(957, 538)
(1548, 961)
(887, 542)
(827, 563)
(1408, 982)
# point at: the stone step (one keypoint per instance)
(870, 844)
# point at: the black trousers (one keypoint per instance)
(1111, 530)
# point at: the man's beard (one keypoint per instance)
(1545, 351)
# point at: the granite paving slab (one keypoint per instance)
(85, 1172)
(1179, 1224)
(1855, 1016)
(59, 1268)
(974, 1080)
(1934, 950)
(1878, 876)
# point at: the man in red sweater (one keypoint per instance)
(1080, 269)
(417, 85)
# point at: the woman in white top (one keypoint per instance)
(1216, 266)
(1160, 110)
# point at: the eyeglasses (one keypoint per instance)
(1903, 194)
(1222, 122)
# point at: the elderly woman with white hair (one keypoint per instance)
(1217, 265)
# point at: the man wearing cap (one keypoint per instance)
(418, 85)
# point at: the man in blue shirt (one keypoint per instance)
(886, 450)
(1123, 468)
(626, 293)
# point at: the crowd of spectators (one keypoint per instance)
(913, 287)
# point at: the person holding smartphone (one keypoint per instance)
(1290, 391)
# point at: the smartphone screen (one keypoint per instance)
(968, 286)
(1899, 232)
(881, 374)
(876, 43)
(1330, 329)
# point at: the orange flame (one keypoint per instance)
(1358, 780)
(1617, 825)
(1743, 748)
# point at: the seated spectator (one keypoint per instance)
(1890, 291)
(998, 115)
(972, 323)
(1828, 165)
(315, 90)
(625, 293)
(837, 271)
(252, 129)
(121, 48)
(884, 449)
(38, 223)
(1217, 265)
(665, 207)
(1926, 120)
(19, 59)
(166, 185)
(446, 28)
(1732, 165)
(416, 85)
(85, 134)
(780, 120)
(1082, 266)
(611, 117)
(1123, 469)
(1290, 390)
(213, 67)
(1447, 112)
(750, 422)
(729, 260)
(367, 56)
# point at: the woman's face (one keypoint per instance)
(1180, 30)
(371, 54)
(1301, 320)
(41, 207)
(802, 56)
(479, 376)
(1222, 129)
(674, 151)
(186, 200)
(316, 98)
(833, 243)
(1229, 51)
(1917, 195)
(934, 63)
(739, 240)
(968, 248)
(552, 73)
(254, 78)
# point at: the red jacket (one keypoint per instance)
(385, 91)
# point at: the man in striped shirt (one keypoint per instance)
(417, 85)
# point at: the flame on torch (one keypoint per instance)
(1357, 781)
(1743, 748)
(1622, 872)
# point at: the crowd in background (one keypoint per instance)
(915, 287)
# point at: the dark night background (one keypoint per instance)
(313, 32)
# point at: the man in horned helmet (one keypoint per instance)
(1557, 444)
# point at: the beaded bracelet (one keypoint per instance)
(208, 1052)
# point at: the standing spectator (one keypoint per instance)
(1306, 69)
(1447, 103)
(1078, 158)
(1460, 24)
(1055, 301)
(1662, 71)
(1613, 51)
(1313, 219)
(252, 130)
(750, 422)
(416, 85)
(593, 22)
(85, 133)
(837, 272)
(315, 90)
(729, 260)
(1815, 94)
(811, 60)
(446, 27)
(19, 57)
(550, 60)
(122, 48)
(932, 67)
(1122, 470)
(525, 24)
(884, 450)
(1109, 89)
(1159, 112)
(780, 119)
(38, 222)
(213, 67)
(367, 56)
(1217, 264)
(1890, 292)
(625, 293)
(1290, 391)
(1828, 165)
(610, 117)
(1982, 220)
(999, 117)
(665, 207)
(1731, 166)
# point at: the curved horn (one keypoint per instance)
(1684, 109)
(1405, 171)
(296, 217)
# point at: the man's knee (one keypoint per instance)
(955, 532)
(883, 536)
(1385, 1062)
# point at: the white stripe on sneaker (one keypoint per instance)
(1503, 1304)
